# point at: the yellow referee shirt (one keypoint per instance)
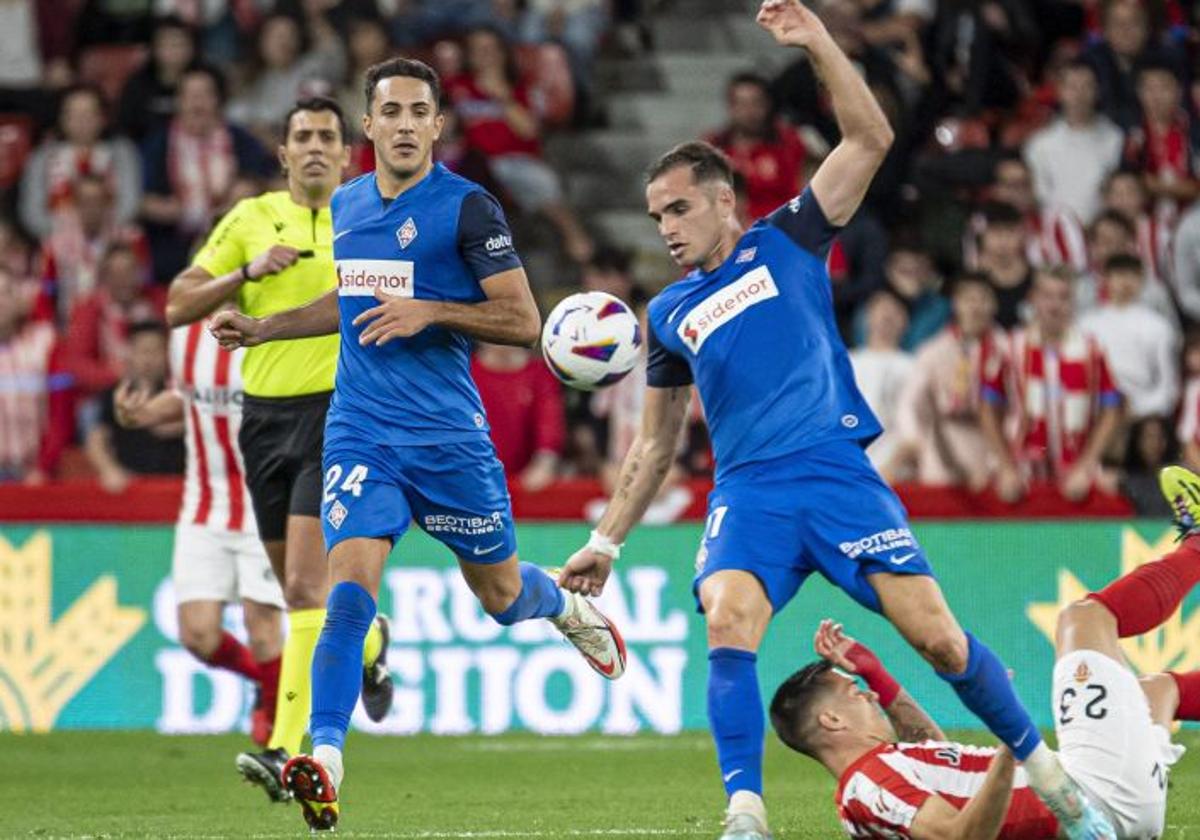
(294, 367)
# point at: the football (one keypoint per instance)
(591, 339)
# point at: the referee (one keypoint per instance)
(271, 253)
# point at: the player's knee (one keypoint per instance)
(302, 594)
(1082, 613)
(946, 651)
(200, 640)
(732, 624)
(496, 598)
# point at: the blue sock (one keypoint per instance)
(337, 662)
(986, 690)
(540, 597)
(735, 715)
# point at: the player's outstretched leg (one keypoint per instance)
(916, 606)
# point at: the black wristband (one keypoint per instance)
(246, 273)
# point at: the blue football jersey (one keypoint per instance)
(435, 241)
(758, 337)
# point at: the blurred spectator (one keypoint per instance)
(579, 25)
(461, 158)
(1111, 234)
(524, 407)
(978, 49)
(1163, 146)
(78, 148)
(882, 369)
(1063, 405)
(28, 445)
(1186, 263)
(196, 168)
(1115, 59)
(1053, 235)
(608, 271)
(292, 59)
(1141, 346)
(500, 121)
(368, 42)
(20, 258)
(912, 279)
(856, 262)
(113, 22)
(72, 253)
(1002, 258)
(937, 419)
(1151, 447)
(147, 101)
(1071, 157)
(1188, 431)
(116, 453)
(1125, 193)
(97, 339)
(764, 148)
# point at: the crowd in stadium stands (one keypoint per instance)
(1020, 292)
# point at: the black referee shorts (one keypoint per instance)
(281, 440)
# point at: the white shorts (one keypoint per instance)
(1108, 743)
(211, 565)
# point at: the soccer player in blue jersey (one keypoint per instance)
(425, 261)
(752, 327)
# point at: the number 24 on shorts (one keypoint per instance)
(352, 484)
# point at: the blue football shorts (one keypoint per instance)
(823, 510)
(455, 492)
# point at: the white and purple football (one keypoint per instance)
(591, 339)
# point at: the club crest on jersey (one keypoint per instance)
(746, 255)
(362, 278)
(725, 304)
(407, 232)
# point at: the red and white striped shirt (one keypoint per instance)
(210, 381)
(1053, 236)
(880, 793)
(24, 367)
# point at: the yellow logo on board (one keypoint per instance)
(44, 663)
(1174, 646)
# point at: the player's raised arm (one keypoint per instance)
(320, 317)
(841, 181)
(642, 473)
(982, 817)
(911, 722)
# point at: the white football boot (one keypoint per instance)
(593, 635)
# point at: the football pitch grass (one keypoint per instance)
(138, 784)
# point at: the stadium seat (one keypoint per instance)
(109, 65)
(16, 139)
(548, 72)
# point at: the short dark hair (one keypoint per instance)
(407, 67)
(999, 214)
(1062, 273)
(217, 77)
(610, 258)
(792, 706)
(1077, 64)
(749, 77)
(970, 278)
(1114, 217)
(1118, 263)
(317, 104)
(147, 326)
(1155, 64)
(707, 163)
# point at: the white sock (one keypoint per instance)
(1043, 769)
(330, 758)
(748, 802)
(568, 608)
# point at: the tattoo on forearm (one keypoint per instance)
(911, 722)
